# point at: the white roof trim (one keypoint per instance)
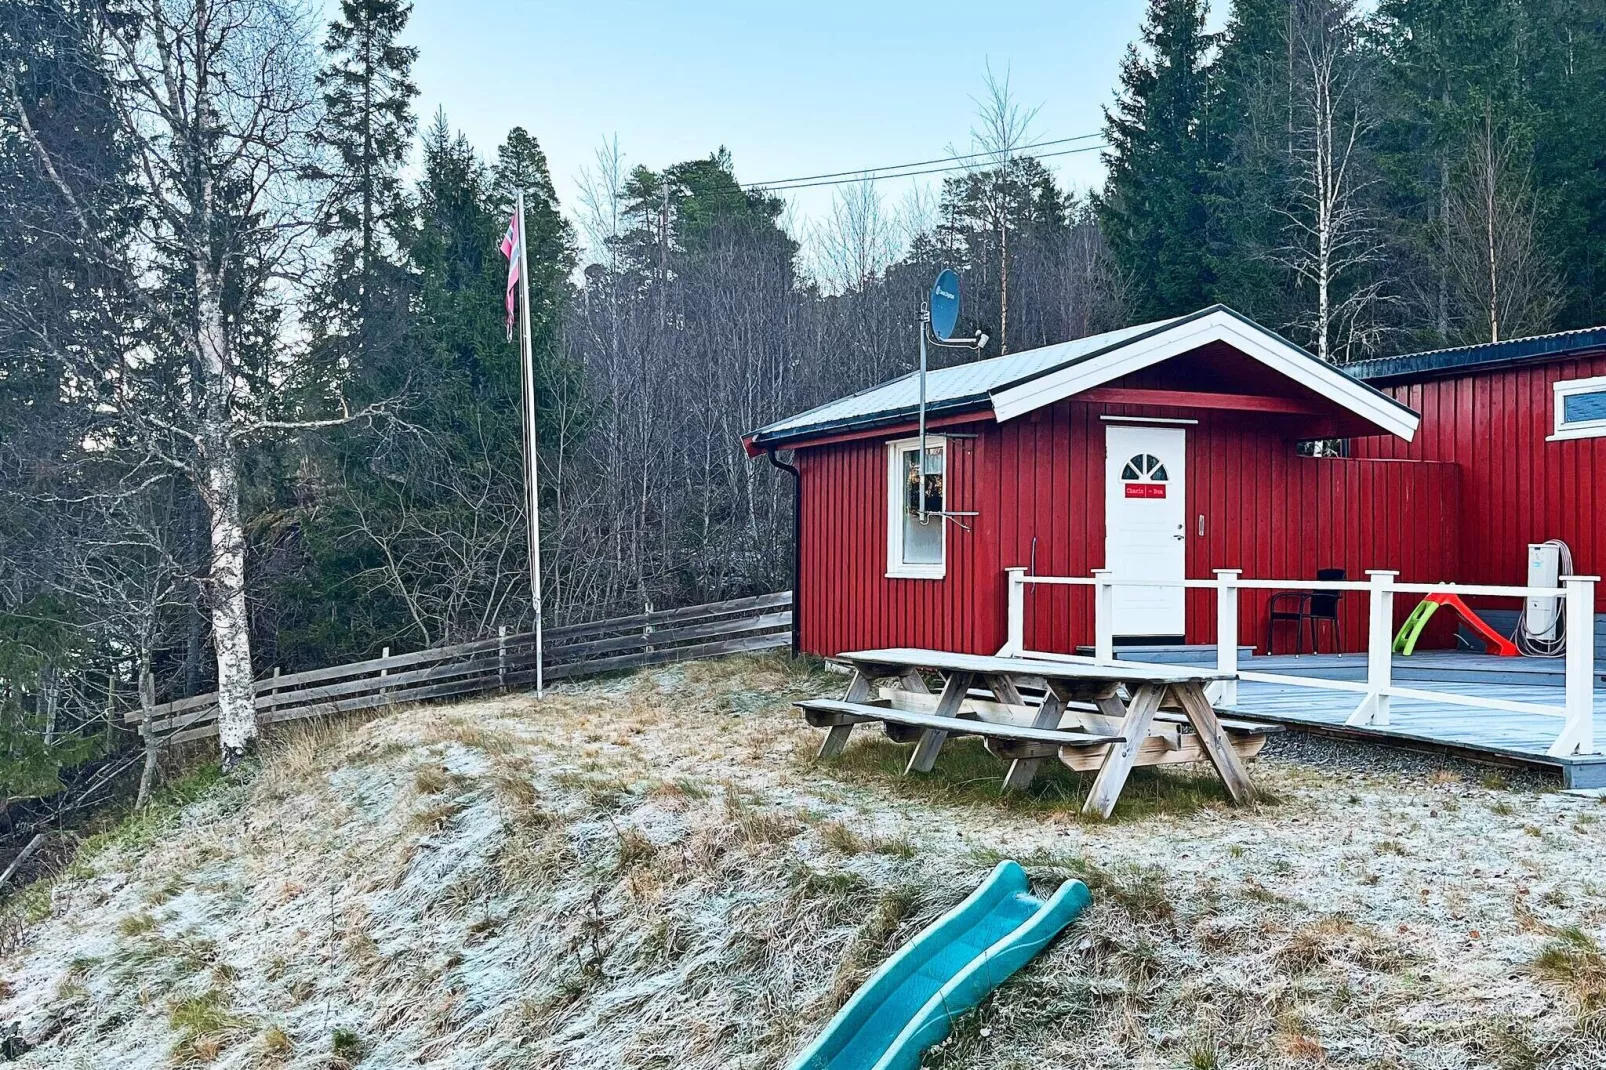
(1215, 326)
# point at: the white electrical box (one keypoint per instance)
(1543, 618)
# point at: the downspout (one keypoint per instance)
(797, 545)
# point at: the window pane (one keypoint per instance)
(1583, 408)
(1158, 475)
(922, 542)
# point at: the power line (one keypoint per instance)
(860, 177)
(861, 173)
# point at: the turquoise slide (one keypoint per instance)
(909, 1003)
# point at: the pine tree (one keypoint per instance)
(1154, 205)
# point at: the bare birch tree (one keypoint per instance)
(1003, 127)
(215, 101)
(1497, 268)
(1332, 244)
(857, 241)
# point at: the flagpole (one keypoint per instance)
(531, 470)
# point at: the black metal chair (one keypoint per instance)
(1314, 607)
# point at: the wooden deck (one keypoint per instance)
(1487, 735)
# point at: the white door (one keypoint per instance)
(1145, 524)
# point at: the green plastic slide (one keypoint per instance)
(910, 1002)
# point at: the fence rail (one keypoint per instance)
(740, 625)
(1576, 592)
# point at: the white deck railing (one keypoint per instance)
(1577, 711)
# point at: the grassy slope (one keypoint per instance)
(649, 872)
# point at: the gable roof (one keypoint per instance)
(1015, 384)
(961, 388)
(1540, 347)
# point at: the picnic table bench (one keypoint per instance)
(1165, 716)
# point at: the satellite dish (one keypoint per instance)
(945, 304)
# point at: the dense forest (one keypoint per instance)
(258, 406)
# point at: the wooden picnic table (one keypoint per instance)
(1122, 732)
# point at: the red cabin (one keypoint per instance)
(1171, 449)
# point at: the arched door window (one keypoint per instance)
(1146, 467)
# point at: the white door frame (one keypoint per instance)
(1145, 525)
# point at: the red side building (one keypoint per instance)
(1524, 422)
(1166, 450)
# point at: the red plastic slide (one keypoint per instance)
(1493, 641)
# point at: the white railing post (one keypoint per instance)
(1015, 638)
(1374, 708)
(1103, 615)
(1578, 732)
(1226, 691)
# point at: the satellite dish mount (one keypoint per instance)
(939, 315)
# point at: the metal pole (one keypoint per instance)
(531, 469)
(920, 465)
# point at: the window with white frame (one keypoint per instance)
(1580, 408)
(917, 540)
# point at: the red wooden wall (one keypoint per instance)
(1267, 511)
(1517, 488)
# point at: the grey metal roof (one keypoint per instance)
(1514, 351)
(955, 389)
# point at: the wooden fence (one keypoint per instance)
(743, 624)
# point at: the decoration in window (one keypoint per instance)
(1145, 466)
(922, 536)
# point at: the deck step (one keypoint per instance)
(1443, 666)
(1170, 654)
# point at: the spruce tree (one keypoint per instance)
(1566, 78)
(1154, 205)
(1253, 127)
(1448, 65)
(521, 165)
(367, 129)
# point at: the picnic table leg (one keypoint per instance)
(836, 737)
(1005, 691)
(911, 680)
(1213, 738)
(1118, 762)
(953, 695)
(1022, 770)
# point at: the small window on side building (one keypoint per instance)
(1580, 409)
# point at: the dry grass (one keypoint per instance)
(1573, 960)
(205, 1026)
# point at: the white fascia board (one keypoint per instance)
(1174, 341)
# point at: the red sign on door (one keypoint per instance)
(1145, 490)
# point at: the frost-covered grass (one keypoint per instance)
(650, 871)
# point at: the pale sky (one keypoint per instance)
(791, 90)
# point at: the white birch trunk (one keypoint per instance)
(231, 635)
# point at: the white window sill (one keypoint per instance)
(914, 572)
(1570, 434)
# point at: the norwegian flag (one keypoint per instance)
(510, 249)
